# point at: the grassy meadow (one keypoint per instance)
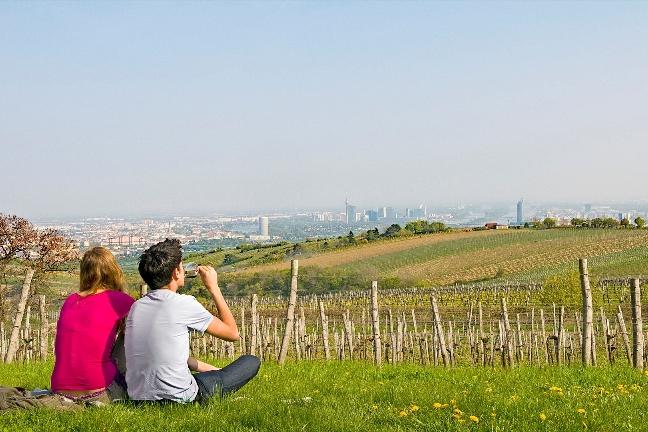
(355, 396)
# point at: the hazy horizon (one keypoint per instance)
(149, 107)
(510, 206)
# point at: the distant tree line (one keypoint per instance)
(245, 247)
(417, 227)
(607, 222)
(547, 223)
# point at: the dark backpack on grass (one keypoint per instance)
(19, 398)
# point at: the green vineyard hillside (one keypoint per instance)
(440, 259)
(434, 259)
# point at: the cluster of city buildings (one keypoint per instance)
(131, 236)
(353, 215)
(472, 216)
(374, 215)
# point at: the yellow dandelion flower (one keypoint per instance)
(489, 390)
(453, 402)
(514, 398)
(414, 408)
(474, 419)
(458, 411)
(402, 414)
(543, 416)
(493, 414)
(456, 416)
(580, 410)
(444, 406)
(374, 407)
(437, 405)
(555, 389)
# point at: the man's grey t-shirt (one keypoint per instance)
(157, 346)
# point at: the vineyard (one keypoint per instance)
(533, 271)
(447, 257)
(504, 353)
(471, 325)
(478, 325)
(457, 257)
(496, 256)
(460, 357)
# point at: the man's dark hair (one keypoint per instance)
(157, 263)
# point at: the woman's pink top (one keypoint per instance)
(86, 332)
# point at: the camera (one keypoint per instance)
(191, 270)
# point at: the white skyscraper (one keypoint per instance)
(263, 226)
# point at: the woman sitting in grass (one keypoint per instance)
(87, 329)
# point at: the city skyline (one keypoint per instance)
(284, 105)
(128, 237)
(640, 206)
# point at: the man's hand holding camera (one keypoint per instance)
(209, 277)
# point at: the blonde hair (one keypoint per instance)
(100, 270)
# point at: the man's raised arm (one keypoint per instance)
(223, 326)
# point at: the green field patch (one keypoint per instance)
(354, 396)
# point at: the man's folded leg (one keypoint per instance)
(227, 380)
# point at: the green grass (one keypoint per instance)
(351, 396)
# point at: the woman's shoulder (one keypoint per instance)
(72, 298)
(121, 296)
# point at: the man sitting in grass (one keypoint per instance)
(158, 366)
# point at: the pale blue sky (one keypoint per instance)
(124, 108)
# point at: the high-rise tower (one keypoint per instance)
(263, 226)
(350, 211)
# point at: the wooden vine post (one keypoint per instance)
(508, 337)
(375, 324)
(325, 333)
(439, 332)
(482, 341)
(637, 325)
(44, 330)
(243, 332)
(561, 336)
(624, 334)
(14, 339)
(255, 324)
(588, 313)
(290, 313)
(543, 332)
(348, 332)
